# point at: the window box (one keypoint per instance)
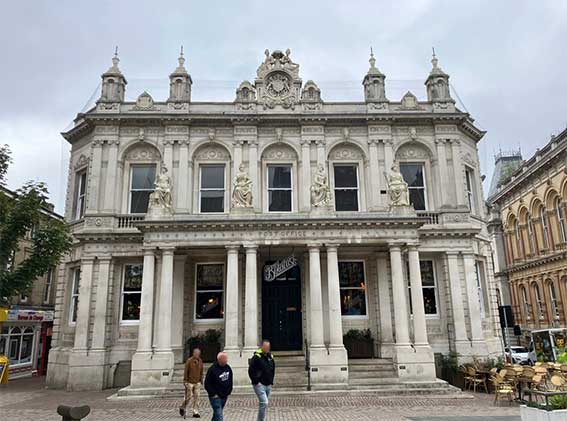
(536, 414)
(359, 344)
(208, 343)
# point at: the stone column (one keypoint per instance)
(419, 325)
(305, 182)
(145, 328)
(386, 331)
(443, 172)
(473, 297)
(315, 298)
(237, 159)
(84, 306)
(168, 155)
(111, 177)
(177, 307)
(388, 154)
(165, 301)
(253, 172)
(321, 157)
(399, 295)
(251, 299)
(93, 182)
(460, 329)
(458, 174)
(182, 184)
(99, 329)
(375, 178)
(231, 310)
(333, 291)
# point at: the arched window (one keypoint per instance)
(519, 240)
(560, 219)
(525, 302)
(531, 235)
(553, 297)
(539, 303)
(544, 227)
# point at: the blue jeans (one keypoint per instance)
(218, 405)
(263, 393)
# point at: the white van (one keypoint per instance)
(547, 345)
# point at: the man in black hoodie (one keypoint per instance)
(218, 384)
(261, 370)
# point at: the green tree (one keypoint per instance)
(21, 213)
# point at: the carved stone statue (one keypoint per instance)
(397, 187)
(161, 196)
(320, 191)
(242, 192)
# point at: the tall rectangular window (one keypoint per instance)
(141, 186)
(279, 188)
(210, 291)
(132, 292)
(469, 181)
(353, 288)
(80, 194)
(478, 266)
(74, 303)
(414, 175)
(346, 187)
(48, 283)
(212, 192)
(428, 285)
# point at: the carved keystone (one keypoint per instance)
(73, 413)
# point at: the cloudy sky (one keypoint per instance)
(507, 60)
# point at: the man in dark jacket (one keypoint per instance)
(218, 384)
(261, 370)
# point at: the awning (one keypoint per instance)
(26, 315)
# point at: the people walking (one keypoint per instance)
(192, 380)
(261, 370)
(218, 384)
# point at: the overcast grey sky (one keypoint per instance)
(507, 60)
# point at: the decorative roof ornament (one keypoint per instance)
(181, 60)
(438, 91)
(277, 82)
(179, 86)
(374, 86)
(114, 70)
(372, 60)
(435, 69)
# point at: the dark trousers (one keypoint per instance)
(218, 405)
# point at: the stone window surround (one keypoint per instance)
(121, 303)
(226, 191)
(433, 259)
(294, 183)
(73, 271)
(194, 309)
(79, 200)
(365, 271)
(426, 180)
(361, 180)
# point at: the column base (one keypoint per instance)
(86, 370)
(238, 361)
(414, 362)
(152, 369)
(386, 350)
(467, 350)
(329, 367)
(58, 368)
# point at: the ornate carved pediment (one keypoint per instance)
(346, 153)
(143, 153)
(278, 82)
(279, 152)
(409, 102)
(83, 161)
(145, 102)
(412, 150)
(212, 153)
(278, 61)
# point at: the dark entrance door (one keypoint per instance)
(281, 310)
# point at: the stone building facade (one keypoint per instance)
(277, 215)
(530, 207)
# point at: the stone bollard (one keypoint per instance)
(73, 413)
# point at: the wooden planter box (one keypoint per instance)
(359, 348)
(535, 414)
(208, 351)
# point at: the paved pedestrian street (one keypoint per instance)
(27, 399)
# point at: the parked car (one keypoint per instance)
(519, 355)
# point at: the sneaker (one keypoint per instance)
(196, 416)
(182, 412)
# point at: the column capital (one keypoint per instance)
(452, 254)
(250, 248)
(232, 248)
(412, 246)
(87, 260)
(104, 259)
(148, 250)
(332, 247)
(167, 250)
(314, 247)
(395, 245)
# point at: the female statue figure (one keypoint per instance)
(242, 193)
(320, 191)
(397, 187)
(161, 196)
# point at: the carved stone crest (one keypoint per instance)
(145, 102)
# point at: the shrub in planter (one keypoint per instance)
(359, 343)
(556, 411)
(208, 343)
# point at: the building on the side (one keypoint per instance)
(278, 215)
(26, 324)
(528, 208)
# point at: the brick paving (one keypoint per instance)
(28, 399)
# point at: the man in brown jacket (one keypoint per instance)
(193, 378)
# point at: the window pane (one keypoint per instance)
(346, 200)
(279, 177)
(75, 305)
(209, 305)
(131, 306)
(212, 201)
(413, 174)
(351, 274)
(82, 183)
(417, 198)
(429, 301)
(77, 278)
(279, 200)
(133, 278)
(212, 177)
(353, 302)
(143, 177)
(345, 176)
(427, 275)
(210, 277)
(140, 200)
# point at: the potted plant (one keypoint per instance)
(208, 343)
(359, 343)
(450, 370)
(556, 411)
